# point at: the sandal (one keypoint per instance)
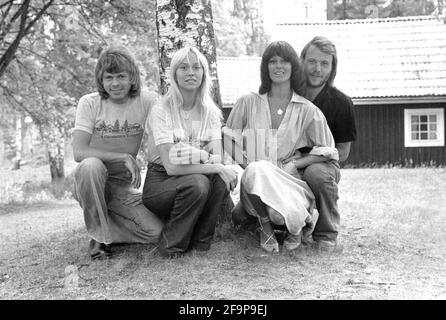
(270, 244)
(292, 241)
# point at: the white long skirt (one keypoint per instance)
(290, 197)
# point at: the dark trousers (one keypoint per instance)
(189, 206)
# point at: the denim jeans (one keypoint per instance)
(189, 206)
(102, 191)
(323, 179)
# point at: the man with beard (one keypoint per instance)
(320, 63)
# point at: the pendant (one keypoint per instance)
(185, 114)
(279, 112)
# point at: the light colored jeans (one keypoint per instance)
(323, 179)
(113, 210)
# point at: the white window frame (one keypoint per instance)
(409, 142)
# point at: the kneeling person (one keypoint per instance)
(108, 130)
(186, 183)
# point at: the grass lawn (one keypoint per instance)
(393, 232)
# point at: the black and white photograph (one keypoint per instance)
(246, 152)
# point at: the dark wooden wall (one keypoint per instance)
(380, 139)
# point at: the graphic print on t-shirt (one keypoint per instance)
(117, 130)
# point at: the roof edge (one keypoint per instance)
(398, 100)
(364, 21)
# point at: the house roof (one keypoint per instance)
(377, 58)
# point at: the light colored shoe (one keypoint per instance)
(292, 241)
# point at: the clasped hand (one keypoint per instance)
(131, 164)
(229, 176)
(289, 167)
(182, 153)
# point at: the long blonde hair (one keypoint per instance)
(174, 98)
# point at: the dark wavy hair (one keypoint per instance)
(327, 47)
(284, 50)
(114, 60)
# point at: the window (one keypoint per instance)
(424, 127)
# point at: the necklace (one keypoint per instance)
(281, 104)
(186, 114)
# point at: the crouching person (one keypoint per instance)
(186, 183)
(108, 131)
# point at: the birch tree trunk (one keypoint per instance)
(186, 22)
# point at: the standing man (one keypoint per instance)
(320, 63)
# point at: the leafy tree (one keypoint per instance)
(239, 27)
(361, 9)
(48, 57)
(18, 19)
(230, 38)
(404, 8)
(249, 12)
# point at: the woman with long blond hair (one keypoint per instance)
(186, 182)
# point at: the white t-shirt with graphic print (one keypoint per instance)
(114, 127)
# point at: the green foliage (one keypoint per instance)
(400, 8)
(53, 64)
(361, 9)
(228, 38)
(238, 28)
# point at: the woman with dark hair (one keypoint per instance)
(277, 133)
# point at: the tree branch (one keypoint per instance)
(10, 95)
(6, 25)
(4, 16)
(75, 77)
(35, 85)
(4, 4)
(9, 54)
(39, 15)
